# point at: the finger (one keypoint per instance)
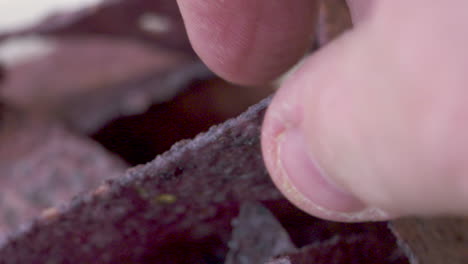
(249, 41)
(371, 127)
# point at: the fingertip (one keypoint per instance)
(249, 41)
(287, 151)
(296, 173)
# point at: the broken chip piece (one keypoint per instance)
(257, 236)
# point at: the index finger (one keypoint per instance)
(249, 41)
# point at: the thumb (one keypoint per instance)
(361, 132)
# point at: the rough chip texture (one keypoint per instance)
(257, 236)
(434, 241)
(127, 218)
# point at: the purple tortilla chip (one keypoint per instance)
(179, 196)
(183, 201)
(178, 208)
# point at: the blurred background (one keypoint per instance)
(21, 13)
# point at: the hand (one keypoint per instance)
(371, 127)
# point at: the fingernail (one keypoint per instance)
(303, 173)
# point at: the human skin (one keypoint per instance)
(370, 127)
